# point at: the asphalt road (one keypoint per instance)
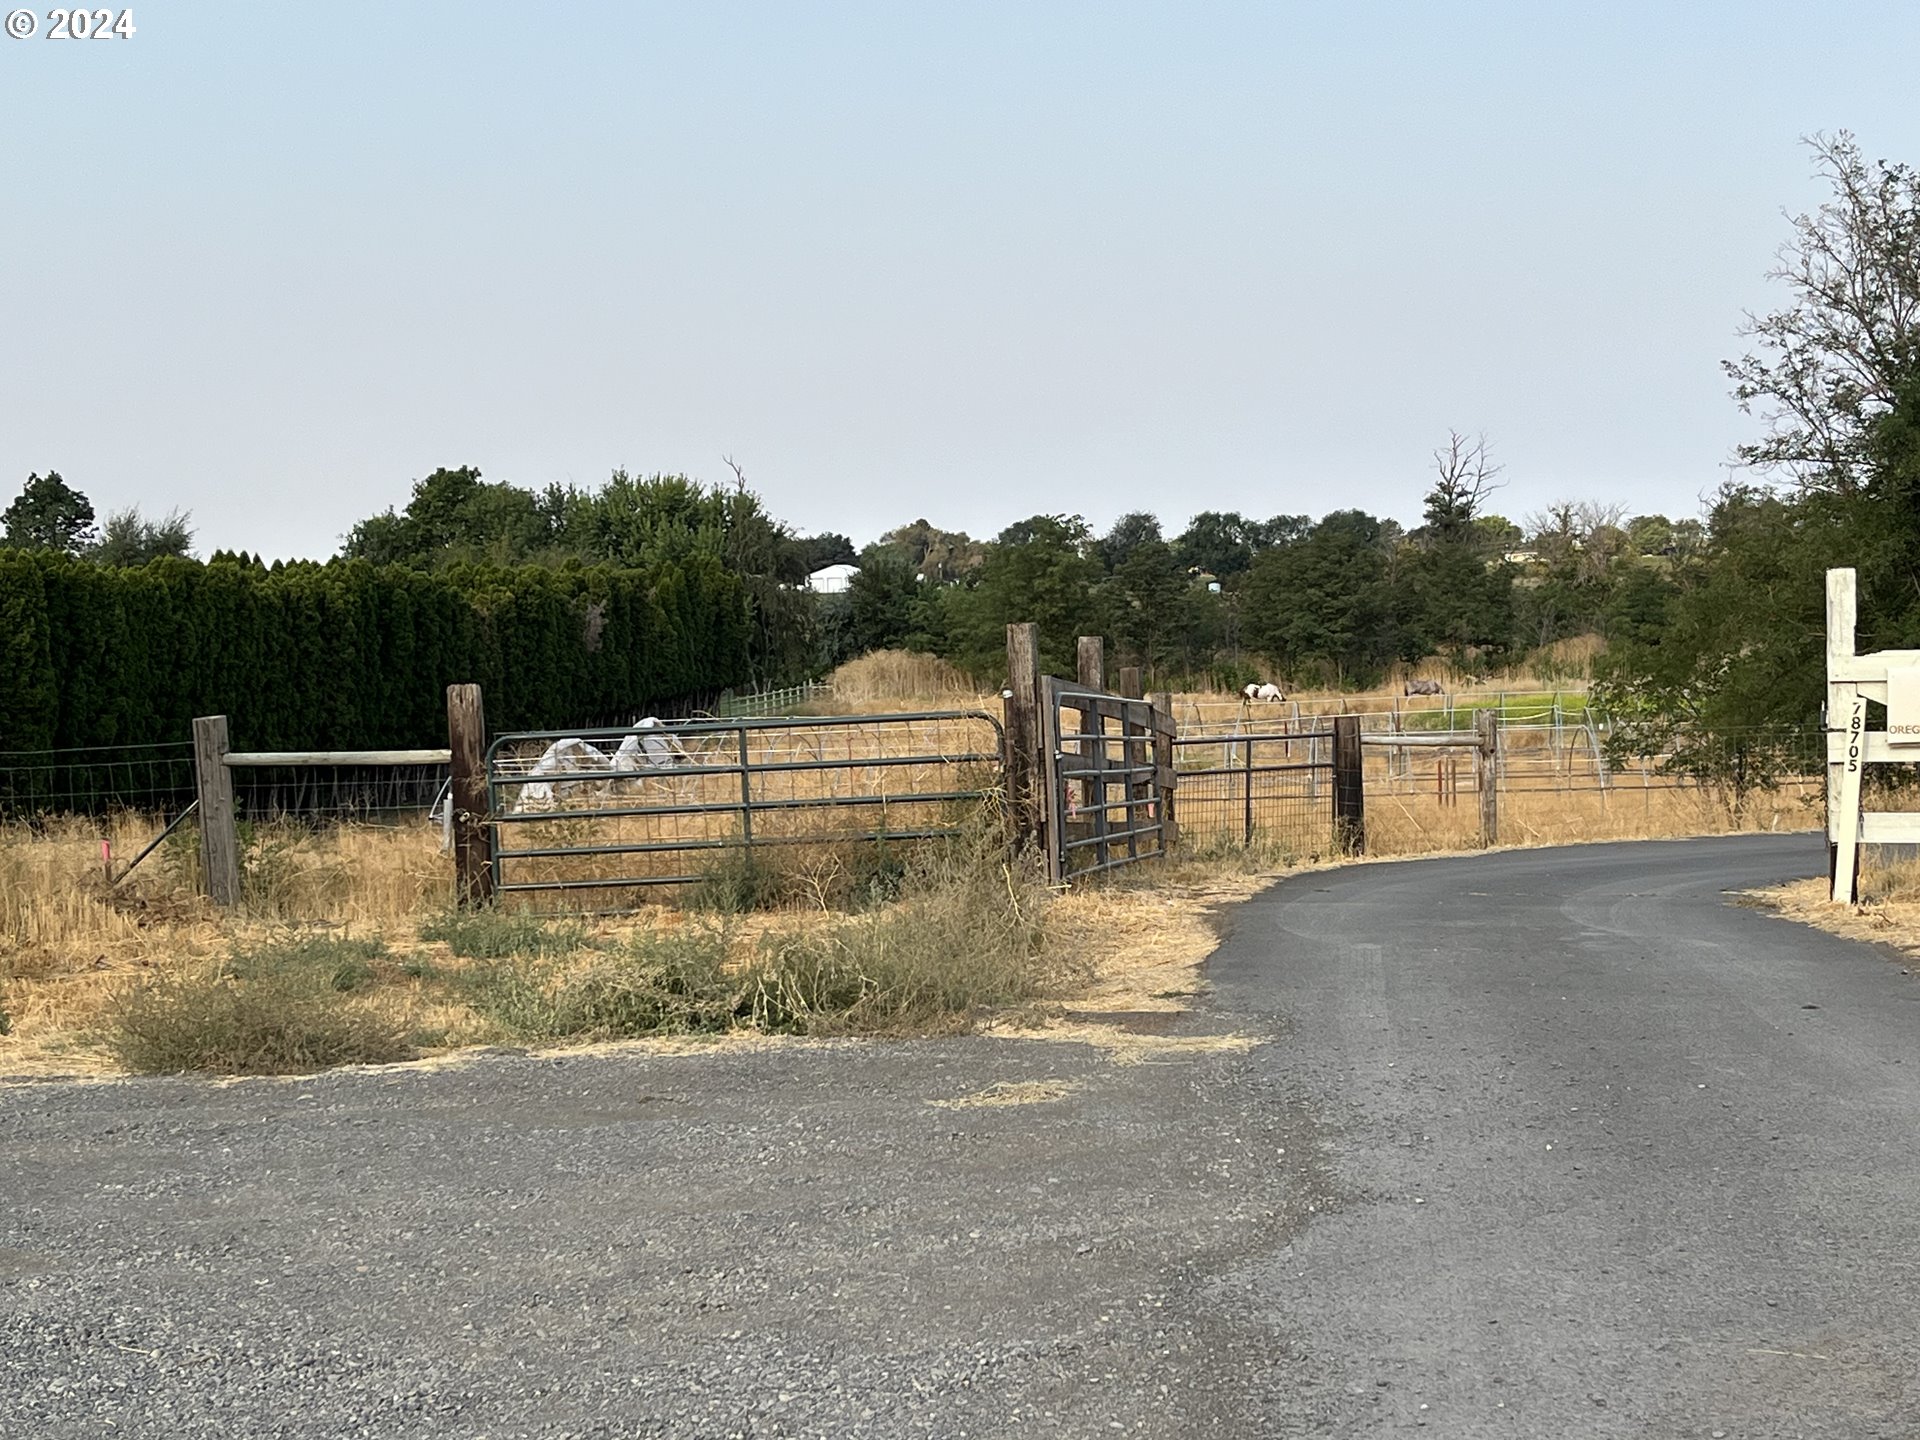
(1541, 1144)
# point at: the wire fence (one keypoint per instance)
(331, 794)
(158, 779)
(1274, 786)
(96, 780)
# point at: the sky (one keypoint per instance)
(271, 262)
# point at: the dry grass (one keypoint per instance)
(1418, 824)
(1888, 912)
(902, 680)
(861, 766)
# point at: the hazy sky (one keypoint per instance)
(271, 262)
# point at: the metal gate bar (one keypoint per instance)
(730, 786)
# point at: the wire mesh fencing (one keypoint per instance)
(1271, 787)
(36, 785)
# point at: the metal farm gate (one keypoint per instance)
(1108, 789)
(622, 812)
(1295, 786)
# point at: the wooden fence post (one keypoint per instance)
(219, 846)
(1132, 753)
(1349, 787)
(1090, 656)
(1091, 653)
(1164, 776)
(472, 827)
(1022, 728)
(1487, 724)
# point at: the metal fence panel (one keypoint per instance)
(622, 812)
(1274, 786)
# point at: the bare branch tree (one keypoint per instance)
(1829, 363)
(739, 475)
(1466, 476)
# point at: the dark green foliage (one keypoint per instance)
(816, 552)
(1324, 602)
(349, 655)
(48, 514)
(1037, 570)
(888, 605)
(131, 539)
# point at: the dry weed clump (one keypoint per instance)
(967, 935)
(276, 1010)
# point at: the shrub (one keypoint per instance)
(739, 882)
(283, 1020)
(671, 982)
(965, 935)
(501, 935)
(346, 963)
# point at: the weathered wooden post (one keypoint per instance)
(1025, 805)
(1486, 725)
(1090, 656)
(219, 846)
(1134, 753)
(467, 797)
(1164, 776)
(1349, 787)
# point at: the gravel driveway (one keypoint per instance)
(1541, 1144)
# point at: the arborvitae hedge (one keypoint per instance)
(346, 655)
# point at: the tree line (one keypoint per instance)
(1332, 601)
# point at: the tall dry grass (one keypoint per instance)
(902, 680)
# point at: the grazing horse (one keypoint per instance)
(1425, 687)
(1252, 691)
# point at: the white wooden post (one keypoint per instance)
(1846, 727)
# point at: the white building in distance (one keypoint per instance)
(832, 579)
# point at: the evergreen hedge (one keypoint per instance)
(347, 655)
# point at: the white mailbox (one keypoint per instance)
(1903, 706)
